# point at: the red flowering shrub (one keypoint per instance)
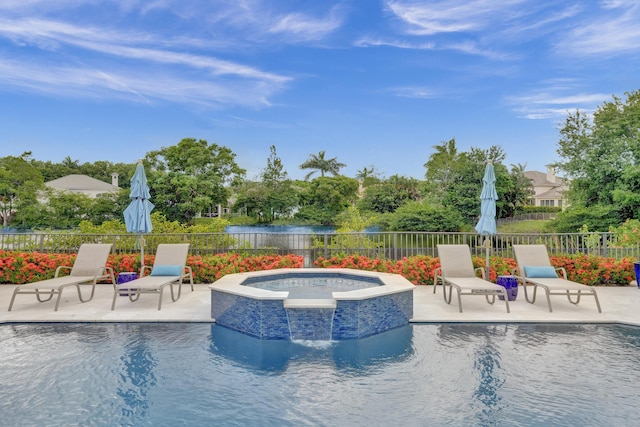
(595, 270)
(26, 267)
(419, 269)
(21, 267)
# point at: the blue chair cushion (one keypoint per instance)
(540, 272)
(166, 270)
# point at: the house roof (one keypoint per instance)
(539, 179)
(80, 183)
(552, 193)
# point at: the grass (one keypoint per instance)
(529, 226)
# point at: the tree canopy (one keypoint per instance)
(19, 183)
(319, 163)
(601, 155)
(191, 178)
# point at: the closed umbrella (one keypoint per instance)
(137, 216)
(487, 224)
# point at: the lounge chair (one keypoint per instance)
(535, 269)
(169, 269)
(457, 272)
(88, 268)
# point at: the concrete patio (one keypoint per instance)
(619, 305)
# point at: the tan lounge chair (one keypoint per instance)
(88, 268)
(169, 269)
(457, 272)
(535, 269)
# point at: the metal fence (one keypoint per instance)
(390, 245)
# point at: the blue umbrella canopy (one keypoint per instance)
(137, 216)
(487, 223)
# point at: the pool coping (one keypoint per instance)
(391, 284)
(620, 305)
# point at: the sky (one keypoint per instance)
(371, 82)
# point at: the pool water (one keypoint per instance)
(311, 286)
(201, 374)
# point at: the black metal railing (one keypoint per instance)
(390, 245)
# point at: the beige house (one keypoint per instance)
(83, 184)
(548, 188)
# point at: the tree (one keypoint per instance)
(368, 176)
(65, 210)
(274, 173)
(442, 167)
(319, 163)
(390, 194)
(19, 183)
(420, 216)
(274, 197)
(462, 183)
(191, 177)
(600, 156)
(522, 186)
(325, 197)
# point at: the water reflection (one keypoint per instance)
(356, 356)
(483, 342)
(138, 376)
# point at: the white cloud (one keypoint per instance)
(137, 85)
(414, 92)
(613, 31)
(190, 77)
(303, 27)
(554, 102)
(449, 16)
(401, 44)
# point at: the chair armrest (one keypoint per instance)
(563, 271)
(61, 267)
(106, 273)
(481, 270)
(143, 268)
(188, 274)
(437, 273)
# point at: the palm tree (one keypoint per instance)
(441, 165)
(365, 173)
(319, 163)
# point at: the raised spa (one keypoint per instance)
(312, 303)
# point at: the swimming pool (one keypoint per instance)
(202, 374)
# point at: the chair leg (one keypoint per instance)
(51, 293)
(160, 292)
(546, 291)
(459, 299)
(60, 297)
(595, 295)
(13, 297)
(115, 296)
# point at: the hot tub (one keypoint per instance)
(312, 303)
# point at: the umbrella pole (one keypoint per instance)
(487, 244)
(141, 243)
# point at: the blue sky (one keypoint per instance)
(372, 82)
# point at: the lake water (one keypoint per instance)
(290, 229)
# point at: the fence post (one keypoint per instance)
(326, 245)
(255, 244)
(395, 245)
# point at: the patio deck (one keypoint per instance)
(619, 305)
